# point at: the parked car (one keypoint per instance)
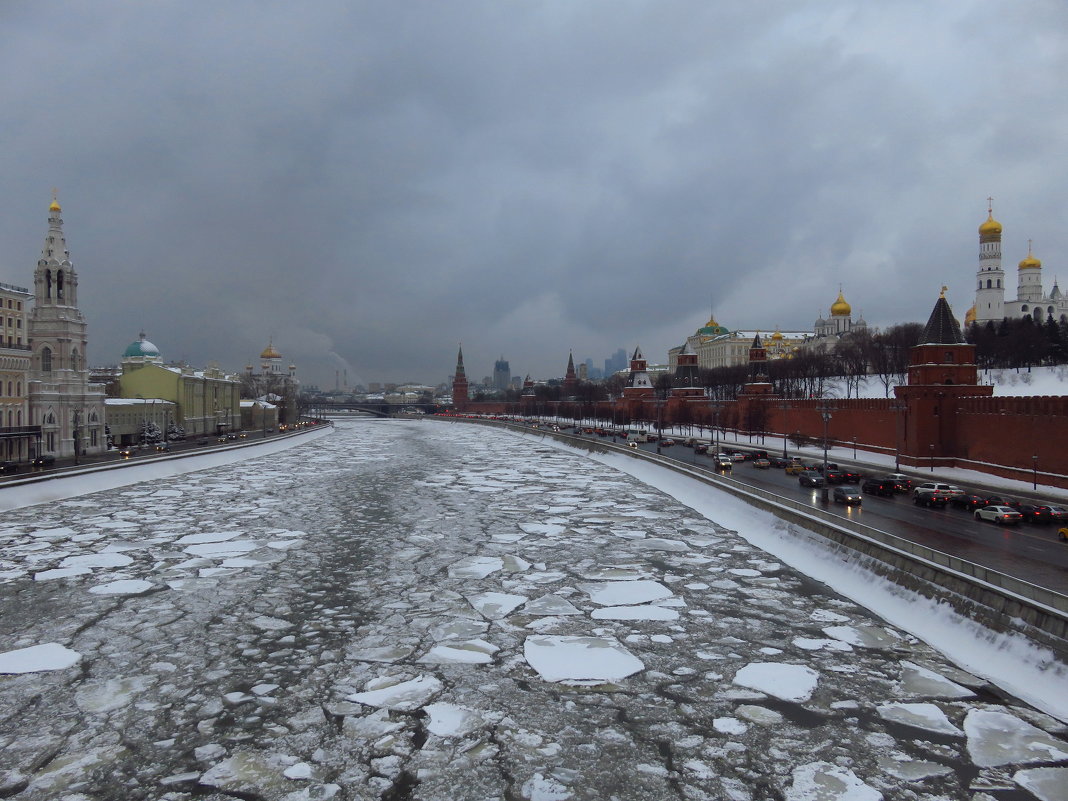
(847, 494)
(7, 468)
(1036, 513)
(903, 483)
(878, 486)
(48, 460)
(968, 501)
(762, 464)
(810, 478)
(1002, 515)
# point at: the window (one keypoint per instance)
(74, 359)
(949, 356)
(92, 438)
(988, 283)
(51, 442)
(999, 283)
(46, 360)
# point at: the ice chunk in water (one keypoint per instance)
(921, 716)
(998, 738)
(559, 658)
(37, 658)
(788, 682)
(822, 781)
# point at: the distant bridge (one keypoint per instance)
(324, 408)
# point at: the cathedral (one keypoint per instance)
(1031, 299)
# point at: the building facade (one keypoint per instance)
(17, 437)
(62, 401)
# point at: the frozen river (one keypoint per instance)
(421, 610)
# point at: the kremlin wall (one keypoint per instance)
(940, 417)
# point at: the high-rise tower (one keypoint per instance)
(69, 410)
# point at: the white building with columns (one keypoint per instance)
(69, 409)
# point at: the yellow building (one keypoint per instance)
(205, 401)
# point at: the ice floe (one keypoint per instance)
(391, 693)
(778, 679)
(561, 658)
(998, 738)
(38, 658)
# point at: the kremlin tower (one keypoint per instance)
(459, 383)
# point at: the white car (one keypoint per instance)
(1002, 515)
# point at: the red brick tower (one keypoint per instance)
(941, 371)
(570, 379)
(459, 383)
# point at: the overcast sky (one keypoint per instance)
(372, 183)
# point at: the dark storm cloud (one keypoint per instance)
(371, 183)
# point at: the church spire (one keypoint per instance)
(459, 382)
(55, 282)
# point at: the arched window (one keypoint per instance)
(18, 389)
(74, 359)
(1024, 308)
(46, 360)
(10, 387)
(19, 416)
(989, 283)
(59, 285)
(48, 283)
(51, 419)
(999, 283)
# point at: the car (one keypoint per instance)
(700, 447)
(724, 462)
(935, 488)
(162, 447)
(849, 476)
(878, 486)
(1036, 513)
(632, 445)
(834, 476)
(1002, 515)
(810, 478)
(830, 466)
(1059, 513)
(667, 442)
(999, 500)
(762, 464)
(968, 501)
(847, 494)
(795, 468)
(48, 460)
(126, 452)
(778, 461)
(902, 482)
(7, 468)
(738, 456)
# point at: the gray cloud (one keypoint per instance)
(374, 182)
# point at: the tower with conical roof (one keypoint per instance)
(69, 410)
(639, 385)
(459, 382)
(990, 278)
(686, 382)
(570, 387)
(941, 371)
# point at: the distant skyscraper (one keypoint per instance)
(616, 362)
(502, 374)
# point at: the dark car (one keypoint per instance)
(834, 476)
(700, 447)
(810, 478)
(850, 476)
(48, 460)
(7, 468)
(967, 501)
(667, 442)
(902, 482)
(998, 500)
(847, 494)
(778, 461)
(1036, 513)
(1059, 513)
(878, 486)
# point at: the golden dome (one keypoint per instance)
(991, 227)
(54, 206)
(777, 336)
(969, 316)
(1030, 263)
(270, 352)
(840, 307)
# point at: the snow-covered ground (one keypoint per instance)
(429, 611)
(1006, 383)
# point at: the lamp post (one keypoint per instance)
(825, 412)
(1034, 474)
(932, 457)
(659, 425)
(76, 432)
(896, 408)
(854, 446)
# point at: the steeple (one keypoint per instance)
(460, 363)
(55, 282)
(570, 379)
(942, 327)
(459, 382)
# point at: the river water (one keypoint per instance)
(425, 610)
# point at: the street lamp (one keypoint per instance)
(825, 412)
(1034, 468)
(76, 432)
(896, 408)
(785, 406)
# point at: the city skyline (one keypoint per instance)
(367, 186)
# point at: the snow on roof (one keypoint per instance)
(137, 401)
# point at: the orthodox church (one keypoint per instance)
(1031, 299)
